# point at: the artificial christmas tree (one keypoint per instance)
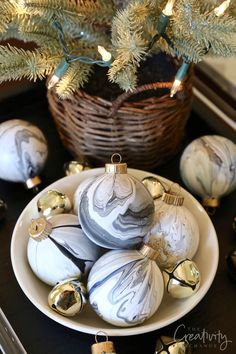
(74, 38)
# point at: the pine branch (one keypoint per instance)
(75, 77)
(7, 10)
(17, 63)
(129, 44)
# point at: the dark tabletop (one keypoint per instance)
(215, 314)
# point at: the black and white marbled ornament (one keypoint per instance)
(208, 166)
(174, 234)
(116, 211)
(23, 150)
(125, 288)
(64, 254)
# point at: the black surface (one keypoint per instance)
(215, 314)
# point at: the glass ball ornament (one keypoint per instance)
(175, 232)
(182, 280)
(208, 168)
(168, 345)
(58, 249)
(23, 152)
(68, 297)
(115, 209)
(126, 287)
(52, 203)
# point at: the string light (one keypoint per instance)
(68, 58)
(106, 56)
(168, 10)
(58, 73)
(220, 10)
(181, 73)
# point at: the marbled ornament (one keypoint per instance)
(125, 288)
(208, 166)
(116, 211)
(79, 191)
(174, 234)
(65, 253)
(23, 150)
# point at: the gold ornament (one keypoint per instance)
(154, 186)
(74, 167)
(182, 280)
(68, 297)
(168, 345)
(53, 202)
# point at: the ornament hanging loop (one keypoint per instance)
(100, 333)
(116, 156)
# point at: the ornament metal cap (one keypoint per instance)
(103, 347)
(211, 202)
(116, 167)
(172, 198)
(147, 251)
(32, 182)
(40, 229)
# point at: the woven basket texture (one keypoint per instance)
(145, 131)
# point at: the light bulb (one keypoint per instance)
(59, 72)
(175, 87)
(220, 10)
(53, 81)
(106, 56)
(168, 10)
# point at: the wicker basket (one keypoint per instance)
(146, 132)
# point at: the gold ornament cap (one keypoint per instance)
(32, 182)
(74, 167)
(40, 229)
(103, 347)
(172, 198)
(211, 202)
(117, 167)
(147, 251)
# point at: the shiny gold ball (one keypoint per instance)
(68, 297)
(182, 280)
(168, 345)
(154, 186)
(74, 167)
(52, 203)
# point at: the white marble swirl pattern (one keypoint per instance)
(174, 234)
(66, 253)
(125, 288)
(116, 211)
(23, 150)
(208, 166)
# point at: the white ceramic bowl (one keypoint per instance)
(88, 322)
